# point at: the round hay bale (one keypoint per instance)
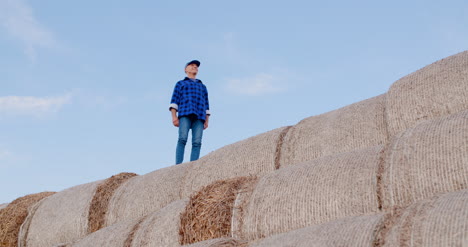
(142, 195)
(160, 229)
(440, 221)
(209, 213)
(60, 218)
(250, 157)
(436, 90)
(353, 231)
(355, 126)
(426, 160)
(100, 203)
(13, 215)
(314, 192)
(219, 242)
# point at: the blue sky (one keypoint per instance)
(85, 85)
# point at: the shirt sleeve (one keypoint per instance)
(175, 100)
(207, 102)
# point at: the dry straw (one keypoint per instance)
(145, 194)
(436, 90)
(100, 203)
(353, 232)
(254, 156)
(439, 221)
(426, 160)
(314, 192)
(208, 215)
(13, 216)
(355, 126)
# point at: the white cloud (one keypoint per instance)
(256, 85)
(4, 154)
(18, 19)
(35, 106)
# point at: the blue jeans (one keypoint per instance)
(185, 124)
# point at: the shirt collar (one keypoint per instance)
(186, 78)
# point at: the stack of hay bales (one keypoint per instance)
(48, 219)
(387, 171)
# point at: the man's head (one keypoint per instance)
(191, 68)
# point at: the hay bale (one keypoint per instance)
(209, 213)
(60, 218)
(426, 160)
(352, 127)
(439, 221)
(253, 156)
(13, 215)
(100, 203)
(111, 236)
(145, 194)
(160, 229)
(436, 90)
(219, 242)
(314, 192)
(353, 231)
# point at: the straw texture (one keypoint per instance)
(426, 160)
(352, 127)
(219, 242)
(210, 211)
(112, 236)
(441, 221)
(353, 231)
(160, 229)
(100, 202)
(436, 90)
(62, 217)
(314, 192)
(13, 216)
(142, 195)
(252, 156)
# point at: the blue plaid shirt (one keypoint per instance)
(190, 97)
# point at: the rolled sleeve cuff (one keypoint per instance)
(208, 112)
(175, 106)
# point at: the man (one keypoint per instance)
(190, 110)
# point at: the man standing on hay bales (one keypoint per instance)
(190, 109)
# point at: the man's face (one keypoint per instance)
(191, 68)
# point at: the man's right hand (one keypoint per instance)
(175, 122)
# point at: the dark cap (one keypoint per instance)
(193, 62)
